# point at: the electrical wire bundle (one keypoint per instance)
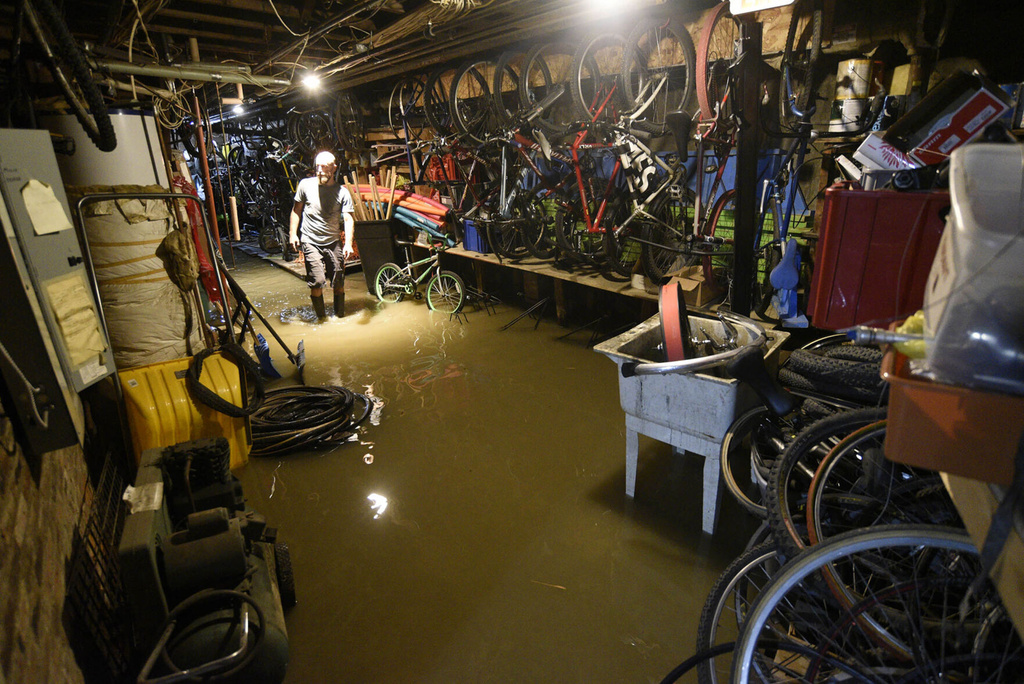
(295, 418)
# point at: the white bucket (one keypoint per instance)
(846, 115)
(855, 79)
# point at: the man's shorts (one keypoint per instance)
(324, 265)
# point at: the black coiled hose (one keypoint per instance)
(295, 418)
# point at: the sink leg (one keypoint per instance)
(712, 470)
(632, 453)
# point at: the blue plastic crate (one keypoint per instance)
(474, 240)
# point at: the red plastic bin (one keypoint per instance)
(874, 253)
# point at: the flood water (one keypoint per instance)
(507, 550)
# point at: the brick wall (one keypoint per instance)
(37, 527)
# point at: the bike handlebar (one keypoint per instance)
(758, 339)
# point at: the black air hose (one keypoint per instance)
(295, 418)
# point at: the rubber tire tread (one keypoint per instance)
(689, 56)
(854, 352)
(285, 575)
(777, 496)
(834, 371)
(860, 395)
(68, 51)
(707, 110)
(816, 23)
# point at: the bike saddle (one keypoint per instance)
(679, 123)
(786, 275)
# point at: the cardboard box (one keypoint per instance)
(696, 292)
(954, 112)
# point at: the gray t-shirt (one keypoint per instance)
(322, 208)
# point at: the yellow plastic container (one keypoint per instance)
(162, 413)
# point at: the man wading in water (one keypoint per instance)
(322, 203)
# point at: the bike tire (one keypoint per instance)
(66, 59)
(405, 108)
(664, 243)
(469, 100)
(656, 51)
(389, 283)
(505, 87)
(792, 472)
(855, 486)
(349, 126)
(545, 67)
(800, 58)
(717, 51)
(446, 293)
(538, 234)
(573, 237)
(622, 252)
(313, 131)
(435, 101)
(728, 602)
(898, 558)
(597, 95)
(718, 269)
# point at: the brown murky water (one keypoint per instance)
(507, 550)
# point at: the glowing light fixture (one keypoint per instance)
(311, 81)
(238, 109)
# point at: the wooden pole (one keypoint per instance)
(391, 202)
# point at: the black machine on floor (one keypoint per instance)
(205, 579)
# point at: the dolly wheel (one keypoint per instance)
(285, 578)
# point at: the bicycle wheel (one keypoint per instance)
(622, 251)
(446, 293)
(665, 247)
(405, 108)
(908, 581)
(799, 78)
(67, 64)
(658, 71)
(728, 603)
(505, 235)
(721, 223)
(574, 238)
(469, 100)
(435, 101)
(855, 487)
(791, 475)
(390, 283)
(313, 131)
(717, 51)
(538, 232)
(544, 68)
(597, 94)
(505, 87)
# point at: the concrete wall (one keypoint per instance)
(37, 527)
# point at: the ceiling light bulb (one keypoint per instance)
(238, 109)
(311, 81)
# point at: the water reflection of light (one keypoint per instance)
(379, 504)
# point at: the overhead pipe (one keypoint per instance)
(187, 73)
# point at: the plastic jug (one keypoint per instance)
(974, 298)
